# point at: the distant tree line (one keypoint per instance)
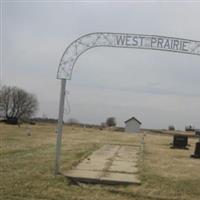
(110, 123)
(44, 120)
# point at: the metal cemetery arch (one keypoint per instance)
(120, 40)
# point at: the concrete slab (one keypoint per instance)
(84, 176)
(123, 167)
(120, 178)
(111, 164)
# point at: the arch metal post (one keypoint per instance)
(60, 126)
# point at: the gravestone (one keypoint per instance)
(180, 141)
(197, 132)
(197, 151)
(12, 120)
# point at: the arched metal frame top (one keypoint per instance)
(122, 40)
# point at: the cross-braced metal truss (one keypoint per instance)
(122, 40)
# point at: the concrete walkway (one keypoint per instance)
(111, 164)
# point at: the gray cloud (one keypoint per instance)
(157, 87)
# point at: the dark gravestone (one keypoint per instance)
(12, 120)
(197, 132)
(180, 141)
(197, 151)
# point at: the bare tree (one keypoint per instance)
(16, 103)
(111, 121)
(171, 128)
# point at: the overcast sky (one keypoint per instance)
(158, 88)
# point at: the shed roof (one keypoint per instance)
(133, 118)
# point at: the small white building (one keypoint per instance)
(132, 125)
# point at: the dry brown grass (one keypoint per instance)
(27, 166)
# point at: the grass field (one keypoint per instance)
(27, 164)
